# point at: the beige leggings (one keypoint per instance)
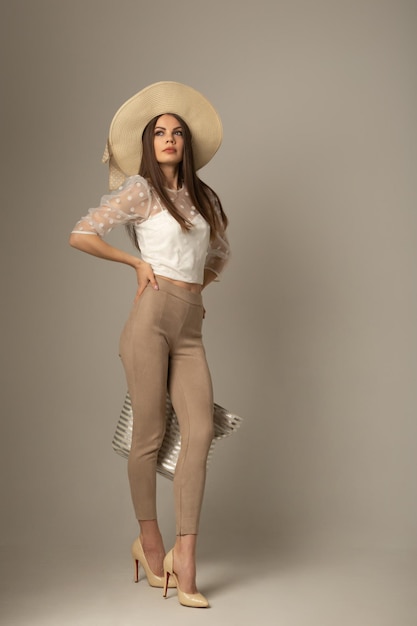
(161, 346)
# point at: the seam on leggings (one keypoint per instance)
(161, 313)
(184, 455)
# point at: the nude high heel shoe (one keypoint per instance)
(139, 557)
(196, 600)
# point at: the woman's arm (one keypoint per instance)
(93, 244)
(219, 248)
(130, 203)
(209, 276)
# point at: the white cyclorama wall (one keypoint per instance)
(311, 332)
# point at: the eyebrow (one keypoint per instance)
(163, 127)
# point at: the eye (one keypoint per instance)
(159, 133)
(179, 133)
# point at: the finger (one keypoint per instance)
(153, 282)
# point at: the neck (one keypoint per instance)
(171, 175)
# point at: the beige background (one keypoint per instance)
(310, 334)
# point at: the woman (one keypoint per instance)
(157, 141)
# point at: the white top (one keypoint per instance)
(172, 252)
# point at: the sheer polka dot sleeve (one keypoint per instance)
(130, 203)
(219, 250)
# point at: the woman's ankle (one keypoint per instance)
(150, 535)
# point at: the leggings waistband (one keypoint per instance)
(178, 292)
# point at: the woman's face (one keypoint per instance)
(168, 140)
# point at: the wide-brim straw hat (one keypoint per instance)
(124, 146)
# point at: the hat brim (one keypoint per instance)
(129, 122)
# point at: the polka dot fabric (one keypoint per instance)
(135, 202)
(130, 203)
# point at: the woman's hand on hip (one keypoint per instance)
(145, 275)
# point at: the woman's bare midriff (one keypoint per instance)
(193, 287)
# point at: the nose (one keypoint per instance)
(171, 139)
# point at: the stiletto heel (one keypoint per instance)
(195, 600)
(136, 567)
(166, 582)
(139, 557)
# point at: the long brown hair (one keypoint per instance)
(201, 195)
